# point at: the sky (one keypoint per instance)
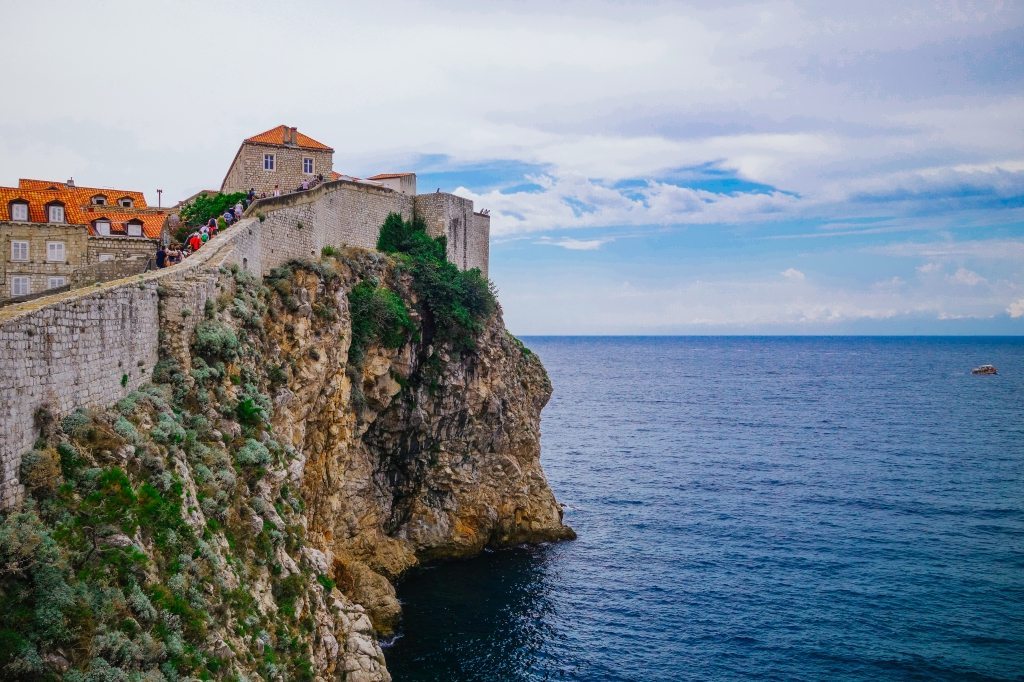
(651, 168)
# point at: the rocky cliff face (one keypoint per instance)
(247, 514)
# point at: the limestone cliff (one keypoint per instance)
(244, 516)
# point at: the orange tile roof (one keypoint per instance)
(152, 220)
(389, 176)
(335, 175)
(37, 200)
(87, 193)
(78, 207)
(276, 136)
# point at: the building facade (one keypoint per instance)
(279, 159)
(38, 257)
(52, 233)
(400, 182)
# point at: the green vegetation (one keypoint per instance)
(206, 206)
(456, 302)
(378, 316)
(136, 547)
(215, 340)
(149, 527)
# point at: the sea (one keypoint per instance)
(754, 508)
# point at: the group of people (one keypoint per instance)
(175, 253)
(305, 185)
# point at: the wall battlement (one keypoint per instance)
(93, 346)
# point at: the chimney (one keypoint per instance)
(293, 135)
(71, 181)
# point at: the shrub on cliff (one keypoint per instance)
(378, 316)
(215, 340)
(458, 302)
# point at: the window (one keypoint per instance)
(55, 213)
(54, 282)
(21, 286)
(126, 202)
(99, 200)
(268, 162)
(134, 228)
(19, 211)
(307, 165)
(102, 227)
(19, 251)
(55, 252)
(104, 257)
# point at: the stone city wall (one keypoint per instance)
(478, 250)
(120, 248)
(453, 217)
(106, 271)
(91, 347)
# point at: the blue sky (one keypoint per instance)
(698, 168)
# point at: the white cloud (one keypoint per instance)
(1016, 308)
(574, 201)
(787, 94)
(576, 244)
(967, 277)
(929, 268)
(978, 249)
(794, 275)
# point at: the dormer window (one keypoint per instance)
(19, 211)
(102, 227)
(99, 200)
(55, 213)
(126, 202)
(134, 228)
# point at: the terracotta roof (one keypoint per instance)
(276, 136)
(152, 220)
(87, 193)
(389, 176)
(78, 207)
(335, 175)
(37, 200)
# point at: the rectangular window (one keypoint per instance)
(56, 214)
(103, 228)
(19, 251)
(21, 286)
(268, 162)
(55, 252)
(19, 212)
(134, 230)
(307, 166)
(104, 257)
(54, 282)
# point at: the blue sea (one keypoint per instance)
(754, 509)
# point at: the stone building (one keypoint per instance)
(280, 158)
(52, 232)
(400, 182)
